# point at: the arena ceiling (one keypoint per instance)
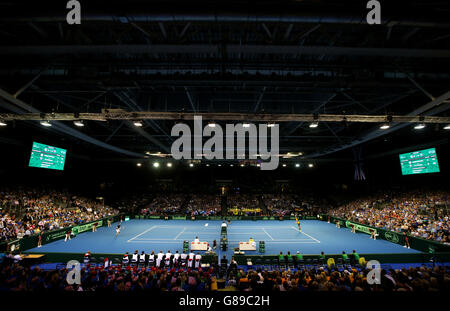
(302, 57)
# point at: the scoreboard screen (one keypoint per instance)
(419, 162)
(45, 156)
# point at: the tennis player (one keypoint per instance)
(117, 229)
(298, 224)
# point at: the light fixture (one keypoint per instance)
(78, 123)
(137, 123)
(419, 126)
(191, 164)
(45, 123)
(169, 164)
(284, 165)
(270, 124)
(207, 164)
(2, 123)
(139, 164)
(447, 127)
(258, 165)
(231, 165)
(246, 125)
(212, 124)
(219, 164)
(310, 165)
(242, 165)
(297, 165)
(314, 124)
(387, 124)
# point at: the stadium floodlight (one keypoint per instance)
(447, 127)
(297, 164)
(384, 126)
(246, 125)
(419, 126)
(138, 123)
(315, 123)
(2, 123)
(139, 164)
(310, 165)
(78, 123)
(45, 123)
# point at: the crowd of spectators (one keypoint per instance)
(422, 215)
(14, 277)
(246, 204)
(165, 205)
(281, 204)
(204, 205)
(27, 212)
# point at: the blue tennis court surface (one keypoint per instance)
(279, 236)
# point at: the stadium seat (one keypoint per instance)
(274, 263)
(268, 264)
(259, 262)
(282, 263)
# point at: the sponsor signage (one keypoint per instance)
(391, 237)
(359, 227)
(78, 229)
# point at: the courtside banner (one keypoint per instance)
(361, 228)
(78, 229)
(56, 235)
(179, 217)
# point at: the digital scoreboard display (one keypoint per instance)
(419, 162)
(45, 156)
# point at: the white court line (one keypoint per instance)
(232, 241)
(283, 242)
(142, 233)
(274, 241)
(179, 233)
(267, 233)
(256, 227)
(161, 240)
(165, 242)
(306, 234)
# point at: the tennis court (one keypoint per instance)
(279, 236)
